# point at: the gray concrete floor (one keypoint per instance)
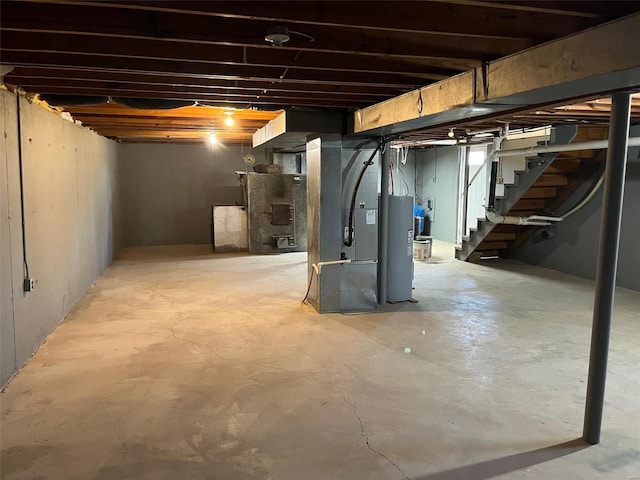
(181, 364)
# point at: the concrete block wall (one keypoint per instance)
(168, 190)
(71, 220)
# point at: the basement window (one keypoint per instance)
(476, 157)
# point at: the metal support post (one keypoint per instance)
(465, 191)
(384, 225)
(607, 263)
(493, 178)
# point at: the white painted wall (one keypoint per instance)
(71, 220)
(510, 165)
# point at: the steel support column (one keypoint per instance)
(384, 224)
(607, 263)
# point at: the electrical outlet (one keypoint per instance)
(29, 284)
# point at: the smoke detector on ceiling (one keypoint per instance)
(277, 35)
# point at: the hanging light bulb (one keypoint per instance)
(229, 120)
(212, 139)
(451, 133)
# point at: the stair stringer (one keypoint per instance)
(535, 167)
(523, 181)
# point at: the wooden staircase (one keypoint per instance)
(540, 189)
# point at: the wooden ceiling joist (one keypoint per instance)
(165, 27)
(178, 124)
(58, 75)
(208, 98)
(341, 55)
(197, 112)
(505, 20)
(213, 72)
(31, 41)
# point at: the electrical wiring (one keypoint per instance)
(317, 269)
(349, 241)
(406, 185)
(25, 263)
(393, 187)
(306, 295)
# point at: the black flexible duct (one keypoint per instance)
(352, 208)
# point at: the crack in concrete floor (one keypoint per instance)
(363, 432)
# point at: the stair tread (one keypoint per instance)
(502, 227)
(564, 165)
(529, 204)
(551, 180)
(522, 213)
(540, 192)
(500, 236)
(492, 245)
(552, 173)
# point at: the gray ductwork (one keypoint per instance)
(290, 130)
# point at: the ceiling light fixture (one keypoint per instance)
(229, 120)
(277, 35)
(451, 133)
(212, 139)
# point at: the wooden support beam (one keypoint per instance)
(589, 63)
